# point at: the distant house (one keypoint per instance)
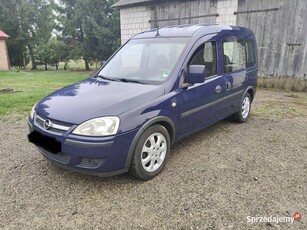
(280, 26)
(4, 57)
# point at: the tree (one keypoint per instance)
(87, 29)
(10, 24)
(53, 52)
(29, 24)
(91, 26)
(43, 55)
(60, 52)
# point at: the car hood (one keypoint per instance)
(93, 98)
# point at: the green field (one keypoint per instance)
(31, 86)
(72, 65)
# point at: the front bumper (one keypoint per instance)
(99, 156)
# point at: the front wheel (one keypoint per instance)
(151, 153)
(244, 111)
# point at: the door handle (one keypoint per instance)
(228, 86)
(218, 89)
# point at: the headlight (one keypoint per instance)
(33, 111)
(103, 126)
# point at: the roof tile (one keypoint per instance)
(3, 35)
(123, 3)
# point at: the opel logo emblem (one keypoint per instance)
(47, 124)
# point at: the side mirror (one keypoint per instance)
(196, 74)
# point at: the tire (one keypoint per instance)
(245, 107)
(151, 153)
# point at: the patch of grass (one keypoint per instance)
(292, 95)
(266, 111)
(293, 84)
(32, 86)
(280, 109)
(79, 65)
(73, 65)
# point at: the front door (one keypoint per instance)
(200, 104)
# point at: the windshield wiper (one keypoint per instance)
(131, 80)
(118, 79)
(105, 78)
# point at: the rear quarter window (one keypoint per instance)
(250, 53)
(238, 54)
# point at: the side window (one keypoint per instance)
(250, 53)
(205, 55)
(234, 56)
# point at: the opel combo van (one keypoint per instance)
(158, 88)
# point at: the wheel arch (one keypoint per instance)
(166, 122)
(251, 92)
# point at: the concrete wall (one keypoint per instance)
(4, 62)
(133, 20)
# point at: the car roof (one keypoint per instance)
(189, 30)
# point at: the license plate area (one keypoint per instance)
(48, 143)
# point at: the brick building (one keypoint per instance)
(4, 57)
(280, 26)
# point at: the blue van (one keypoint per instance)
(158, 88)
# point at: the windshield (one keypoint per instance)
(145, 60)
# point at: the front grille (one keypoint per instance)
(51, 125)
(63, 158)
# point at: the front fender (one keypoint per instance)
(162, 110)
(164, 106)
(156, 120)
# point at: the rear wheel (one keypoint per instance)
(245, 107)
(151, 153)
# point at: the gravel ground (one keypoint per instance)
(213, 179)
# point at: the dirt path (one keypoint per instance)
(214, 179)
